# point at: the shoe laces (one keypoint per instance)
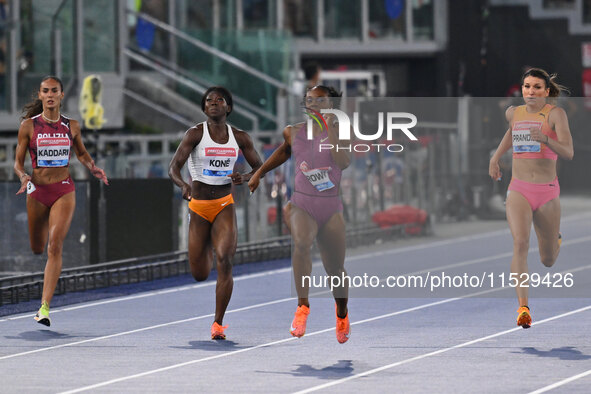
(300, 315)
(44, 308)
(217, 328)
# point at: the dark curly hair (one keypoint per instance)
(330, 91)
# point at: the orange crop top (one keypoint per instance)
(523, 146)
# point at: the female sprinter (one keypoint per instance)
(315, 210)
(49, 136)
(211, 148)
(538, 133)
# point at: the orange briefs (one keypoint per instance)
(209, 209)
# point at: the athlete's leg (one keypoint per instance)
(224, 236)
(519, 216)
(38, 217)
(303, 232)
(287, 215)
(332, 244)
(200, 251)
(60, 218)
(547, 225)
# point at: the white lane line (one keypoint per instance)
(440, 351)
(574, 241)
(154, 293)
(370, 372)
(566, 219)
(271, 272)
(561, 383)
(142, 329)
(566, 243)
(179, 365)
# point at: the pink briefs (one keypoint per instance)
(537, 194)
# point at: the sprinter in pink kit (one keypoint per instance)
(315, 211)
(539, 134)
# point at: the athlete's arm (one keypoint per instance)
(250, 154)
(280, 156)
(340, 150)
(190, 140)
(493, 167)
(83, 155)
(24, 136)
(563, 145)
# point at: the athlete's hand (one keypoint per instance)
(186, 189)
(237, 178)
(99, 174)
(537, 135)
(494, 170)
(331, 120)
(24, 182)
(253, 183)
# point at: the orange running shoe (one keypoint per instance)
(343, 329)
(217, 331)
(523, 317)
(298, 325)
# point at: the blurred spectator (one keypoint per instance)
(158, 10)
(307, 77)
(311, 74)
(299, 16)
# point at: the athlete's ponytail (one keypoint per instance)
(555, 88)
(35, 106)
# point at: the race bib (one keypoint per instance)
(219, 162)
(53, 151)
(30, 187)
(521, 137)
(318, 177)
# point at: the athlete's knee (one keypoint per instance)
(521, 245)
(302, 245)
(37, 249)
(199, 276)
(548, 260)
(337, 270)
(198, 272)
(224, 266)
(55, 248)
(224, 257)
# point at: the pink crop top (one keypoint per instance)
(523, 146)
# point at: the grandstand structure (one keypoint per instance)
(157, 57)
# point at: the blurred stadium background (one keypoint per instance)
(462, 59)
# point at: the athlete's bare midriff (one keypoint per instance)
(534, 170)
(203, 191)
(46, 176)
